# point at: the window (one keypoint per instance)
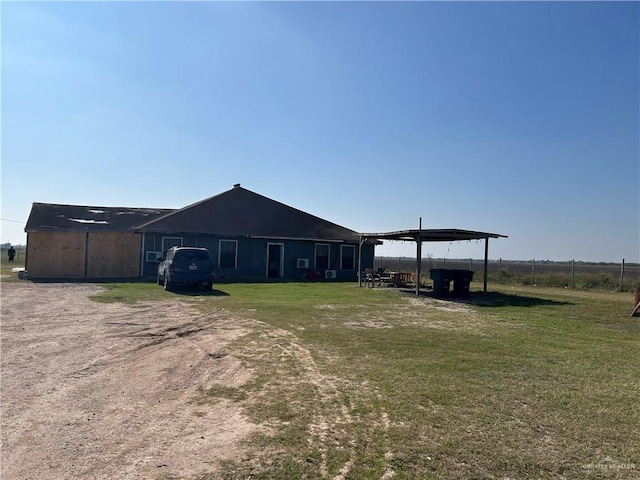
(168, 242)
(348, 257)
(322, 256)
(228, 254)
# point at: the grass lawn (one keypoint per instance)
(5, 266)
(363, 383)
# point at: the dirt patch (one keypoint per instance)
(106, 391)
(442, 305)
(368, 324)
(451, 315)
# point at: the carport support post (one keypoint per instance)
(360, 262)
(486, 262)
(419, 258)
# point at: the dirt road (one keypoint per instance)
(106, 391)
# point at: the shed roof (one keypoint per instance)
(242, 212)
(432, 235)
(48, 216)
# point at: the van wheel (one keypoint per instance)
(168, 286)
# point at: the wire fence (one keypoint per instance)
(583, 275)
(19, 255)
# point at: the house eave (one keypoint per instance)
(300, 239)
(253, 236)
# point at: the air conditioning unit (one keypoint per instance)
(154, 256)
(302, 263)
(330, 274)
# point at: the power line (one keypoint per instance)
(14, 221)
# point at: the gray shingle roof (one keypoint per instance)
(235, 212)
(242, 212)
(48, 216)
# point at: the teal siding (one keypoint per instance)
(252, 256)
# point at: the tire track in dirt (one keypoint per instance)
(331, 421)
(107, 391)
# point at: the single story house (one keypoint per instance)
(251, 238)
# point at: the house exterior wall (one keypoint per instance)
(251, 256)
(90, 255)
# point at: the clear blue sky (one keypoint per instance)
(508, 117)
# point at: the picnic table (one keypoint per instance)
(387, 278)
(397, 279)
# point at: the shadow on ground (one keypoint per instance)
(495, 299)
(194, 292)
(498, 299)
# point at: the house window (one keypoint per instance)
(168, 242)
(322, 256)
(228, 255)
(348, 257)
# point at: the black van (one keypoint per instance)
(190, 266)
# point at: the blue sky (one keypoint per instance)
(519, 118)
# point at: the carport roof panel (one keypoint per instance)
(433, 235)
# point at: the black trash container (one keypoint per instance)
(461, 281)
(441, 279)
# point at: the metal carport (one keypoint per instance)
(421, 235)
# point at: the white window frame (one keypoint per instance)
(281, 267)
(315, 255)
(235, 253)
(171, 242)
(353, 249)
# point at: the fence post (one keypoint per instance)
(533, 271)
(573, 273)
(500, 271)
(622, 276)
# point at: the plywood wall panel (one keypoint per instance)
(127, 255)
(71, 254)
(83, 255)
(100, 255)
(113, 255)
(56, 254)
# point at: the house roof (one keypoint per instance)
(242, 212)
(48, 216)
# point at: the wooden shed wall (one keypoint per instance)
(56, 255)
(113, 255)
(83, 255)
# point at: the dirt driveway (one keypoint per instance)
(106, 391)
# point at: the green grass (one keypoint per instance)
(5, 266)
(133, 292)
(601, 280)
(522, 382)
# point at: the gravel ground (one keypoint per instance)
(105, 391)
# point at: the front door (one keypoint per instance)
(275, 260)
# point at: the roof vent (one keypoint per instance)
(237, 185)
